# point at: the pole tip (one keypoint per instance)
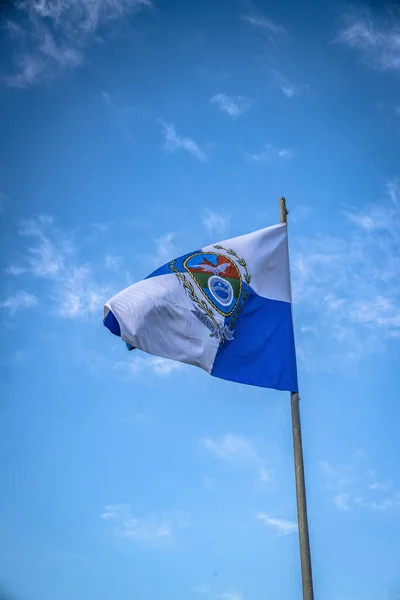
(284, 211)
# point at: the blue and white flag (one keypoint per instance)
(225, 308)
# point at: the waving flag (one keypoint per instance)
(225, 308)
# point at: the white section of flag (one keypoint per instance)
(156, 315)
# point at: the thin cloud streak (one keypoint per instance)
(122, 115)
(174, 142)
(19, 301)
(156, 528)
(281, 526)
(270, 154)
(238, 451)
(165, 249)
(234, 106)
(216, 224)
(137, 365)
(273, 31)
(288, 88)
(231, 596)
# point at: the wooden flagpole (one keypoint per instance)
(305, 554)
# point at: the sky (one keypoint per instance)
(135, 131)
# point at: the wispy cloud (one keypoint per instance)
(299, 213)
(351, 284)
(231, 596)
(112, 261)
(288, 88)
(356, 485)
(202, 589)
(52, 257)
(101, 227)
(376, 38)
(48, 36)
(238, 451)
(165, 249)
(158, 527)
(206, 590)
(19, 301)
(273, 31)
(138, 364)
(122, 115)
(281, 526)
(216, 224)
(234, 106)
(270, 154)
(174, 142)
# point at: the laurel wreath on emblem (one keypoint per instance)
(226, 332)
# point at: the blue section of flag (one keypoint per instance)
(262, 352)
(112, 324)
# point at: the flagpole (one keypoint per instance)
(305, 554)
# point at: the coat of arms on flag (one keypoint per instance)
(217, 283)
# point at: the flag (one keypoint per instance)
(225, 308)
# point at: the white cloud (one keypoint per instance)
(238, 451)
(52, 257)
(174, 142)
(158, 527)
(270, 154)
(281, 526)
(284, 152)
(165, 249)
(19, 301)
(142, 363)
(122, 115)
(51, 35)
(355, 485)
(28, 70)
(231, 596)
(216, 224)
(101, 227)
(63, 56)
(209, 483)
(273, 31)
(377, 40)
(342, 501)
(288, 88)
(78, 295)
(265, 476)
(299, 213)
(202, 589)
(112, 262)
(15, 270)
(163, 366)
(379, 485)
(234, 106)
(232, 447)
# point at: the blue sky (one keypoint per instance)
(133, 132)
